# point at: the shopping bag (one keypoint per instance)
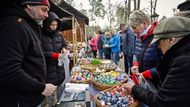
(147, 84)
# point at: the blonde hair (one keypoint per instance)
(112, 31)
(137, 17)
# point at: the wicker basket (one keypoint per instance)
(106, 61)
(100, 86)
(82, 81)
(84, 62)
(108, 70)
(89, 67)
(136, 103)
(107, 65)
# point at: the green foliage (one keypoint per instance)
(98, 9)
(95, 62)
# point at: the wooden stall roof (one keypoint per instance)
(65, 25)
(66, 11)
(78, 15)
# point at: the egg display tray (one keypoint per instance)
(100, 86)
(136, 103)
(82, 81)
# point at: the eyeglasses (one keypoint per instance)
(133, 27)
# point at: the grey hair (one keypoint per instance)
(112, 31)
(107, 33)
(138, 17)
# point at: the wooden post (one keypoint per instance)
(74, 41)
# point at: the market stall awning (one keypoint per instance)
(67, 24)
(65, 11)
(78, 15)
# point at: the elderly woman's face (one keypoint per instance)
(107, 36)
(138, 29)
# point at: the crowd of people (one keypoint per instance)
(111, 45)
(31, 69)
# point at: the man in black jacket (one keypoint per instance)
(173, 37)
(54, 46)
(22, 63)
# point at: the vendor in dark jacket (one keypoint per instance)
(173, 37)
(54, 45)
(22, 63)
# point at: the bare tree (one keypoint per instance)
(83, 11)
(138, 4)
(135, 4)
(154, 8)
(128, 9)
(153, 13)
(98, 9)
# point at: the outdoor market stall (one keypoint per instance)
(101, 81)
(73, 25)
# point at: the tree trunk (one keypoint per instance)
(138, 7)
(135, 4)
(151, 9)
(129, 9)
(155, 4)
(109, 17)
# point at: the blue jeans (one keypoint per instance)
(101, 53)
(115, 57)
(128, 62)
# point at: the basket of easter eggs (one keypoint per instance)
(107, 67)
(92, 66)
(117, 96)
(89, 67)
(106, 61)
(85, 61)
(83, 76)
(107, 80)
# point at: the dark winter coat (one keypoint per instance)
(128, 43)
(174, 74)
(22, 63)
(53, 41)
(107, 51)
(101, 39)
(148, 56)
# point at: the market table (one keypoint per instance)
(85, 99)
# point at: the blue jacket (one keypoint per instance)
(115, 43)
(128, 43)
(147, 56)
